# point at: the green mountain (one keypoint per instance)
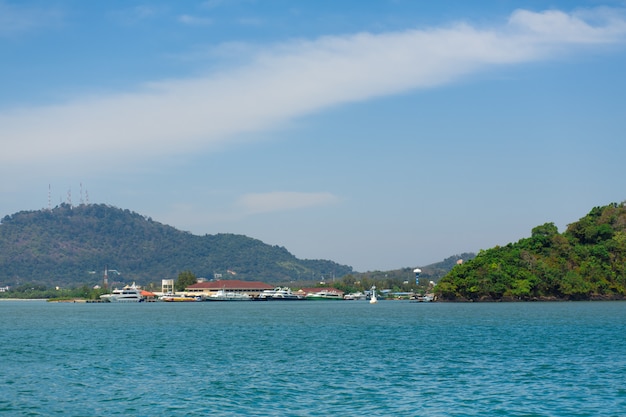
(432, 272)
(69, 246)
(586, 261)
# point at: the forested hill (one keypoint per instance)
(72, 245)
(586, 261)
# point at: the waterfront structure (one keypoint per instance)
(148, 295)
(167, 286)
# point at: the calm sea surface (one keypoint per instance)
(394, 358)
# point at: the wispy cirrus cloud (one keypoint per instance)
(190, 20)
(285, 81)
(139, 13)
(561, 28)
(255, 203)
(15, 19)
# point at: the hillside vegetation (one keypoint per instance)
(404, 279)
(72, 245)
(587, 261)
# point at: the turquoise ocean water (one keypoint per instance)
(348, 358)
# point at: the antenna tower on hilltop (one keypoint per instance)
(105, 280)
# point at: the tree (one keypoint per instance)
(185, 279)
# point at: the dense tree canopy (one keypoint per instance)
(587, 261)
(185, 279)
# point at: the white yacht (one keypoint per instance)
(324, 295)
(128, 294)
(279, 294)
(285, 293)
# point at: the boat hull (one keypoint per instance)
(179, 299)
(323, 298)
(121, 299)
(228, 299)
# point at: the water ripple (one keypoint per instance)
(313, 359)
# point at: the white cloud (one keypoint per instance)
(554, 26)
(133, 15)
(280, 201)
(284, 82)
(194, 20)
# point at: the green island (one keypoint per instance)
(585, 262)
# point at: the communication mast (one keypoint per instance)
(105, 281)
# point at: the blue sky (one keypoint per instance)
(378, 134)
